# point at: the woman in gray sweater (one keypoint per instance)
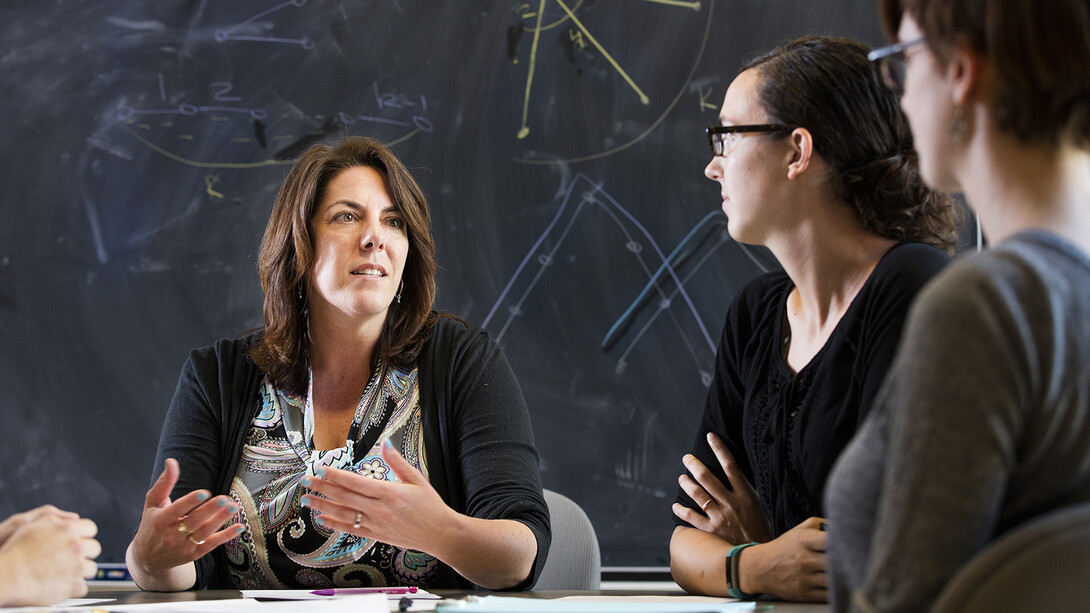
(984, 421)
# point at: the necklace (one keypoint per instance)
(785, 342)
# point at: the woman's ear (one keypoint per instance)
(802, 150)
(964, 69)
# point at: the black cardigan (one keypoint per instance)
(477, 435)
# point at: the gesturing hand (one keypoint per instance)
(735, 516)
(407, 513)
(45, 555)
(175, 533)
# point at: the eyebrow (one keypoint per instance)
(352, 204)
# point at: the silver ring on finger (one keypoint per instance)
(359, 518)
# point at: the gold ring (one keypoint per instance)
(707, 503)
(183, 529)
(359, 517)
(191, 539)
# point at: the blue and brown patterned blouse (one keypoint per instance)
(282, 547)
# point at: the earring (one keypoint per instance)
(399, 288)
(959, 127)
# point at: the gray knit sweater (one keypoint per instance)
(982, 424)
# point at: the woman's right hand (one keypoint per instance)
(174, 534)
(791, 566)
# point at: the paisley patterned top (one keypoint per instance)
(282, 547)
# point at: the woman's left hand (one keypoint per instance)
(735, 514)
(408, 513)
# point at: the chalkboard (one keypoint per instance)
(560, 143)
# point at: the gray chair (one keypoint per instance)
(575, 561)
(1043, 565)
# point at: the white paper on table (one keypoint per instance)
(225, 605)
(680, 599)
(96, 605)
(81, 602)
(310, 595)
(598, 604)
(366, 603)
(63, 605)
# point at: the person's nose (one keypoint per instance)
(372, 237)
(712, 170)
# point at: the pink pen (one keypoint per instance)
(365, 590)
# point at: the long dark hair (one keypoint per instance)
(827, 85)
(287, 257)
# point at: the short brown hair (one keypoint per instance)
(1039, 49)
(287, 257)
(826, 85)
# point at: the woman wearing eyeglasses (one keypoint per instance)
(984, 421)
(814, 161)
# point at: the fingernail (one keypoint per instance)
(304, 501)
(240, 529)
(202, 496)
(221, 502)
(320, 521)
(387, 444)
(233, 509)
(320, 471)
(305, 481)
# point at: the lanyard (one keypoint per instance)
(357, 444)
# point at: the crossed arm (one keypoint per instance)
(791, 566)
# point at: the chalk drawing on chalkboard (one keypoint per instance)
(665, 283)
(713, 227)
(181, 132)
(246, 31)
(580, 39)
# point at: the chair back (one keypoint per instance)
(575, 561)
(1042, 565)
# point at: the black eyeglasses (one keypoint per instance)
(723, 138)
(890, 64)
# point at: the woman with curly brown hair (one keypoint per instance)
(814, 160)
(360, 438)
